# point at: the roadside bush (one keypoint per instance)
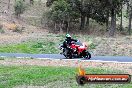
(92, 46)
(1, 26)
(1, 29)
(18, 29)
(38, 45)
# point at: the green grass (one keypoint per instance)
(30, 47)
(62, 77)
(2, 30)
(49, 44)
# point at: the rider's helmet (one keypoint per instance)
(68, 36)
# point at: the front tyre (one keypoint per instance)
(68, 54)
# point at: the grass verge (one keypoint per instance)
(30, 47)
(49, 77)
(48, 44)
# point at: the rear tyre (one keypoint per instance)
(88, 55)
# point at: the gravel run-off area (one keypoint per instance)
(125, 67)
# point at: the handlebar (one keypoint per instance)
(72, 42)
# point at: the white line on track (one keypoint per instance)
(86, 60)
(76, 60)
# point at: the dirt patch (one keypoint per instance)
(125, 67)
(120, 46)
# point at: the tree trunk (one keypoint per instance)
(87, 22)
(113, 23)
(107, 21)
(127, 7)
(65, 25)
(31, 2)
(68, 24)
(9, 4)
(55, 27)
(82, 22)
(121, 27)
(60, 27)
(40, 2)
(130, 19)
(82, 25)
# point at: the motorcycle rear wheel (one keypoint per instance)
(88, 55)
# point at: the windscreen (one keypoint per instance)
(78, 43)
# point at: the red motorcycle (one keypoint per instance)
(76, 50)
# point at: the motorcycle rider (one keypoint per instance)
(74, 51)
(68, 41)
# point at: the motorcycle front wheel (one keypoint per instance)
(68, 54)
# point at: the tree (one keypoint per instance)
(62, 13)
(130, 16)
(98, 10)
(113, 6)
(121, 13)
(19, 8)
(90, 9)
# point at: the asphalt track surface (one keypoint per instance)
(58, 56)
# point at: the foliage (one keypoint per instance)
(18, 29)
(1, 29)
(61, 12)
(1, 26)
(19, 7)
(98, 10)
